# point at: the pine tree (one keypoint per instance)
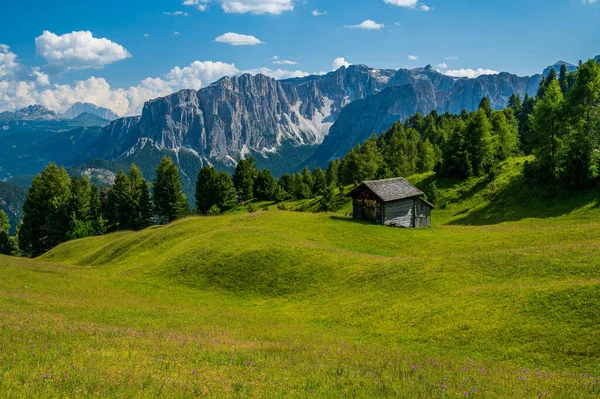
(525, 129)
(583, 114)
(515, 104)
(319, 181)
(141, 200)
(81, 225)
(333, 171)
(169, 200)
(505, 133)
(46, 218)
(576, 164)
(478, 140)
(224, 192)
(5, 248)
(456, 161)
(563, 79)
(307, 178)
(486, 106)
(120, 204)
(547, 122)
(427, 157)
(98, 220)
(264, 186)
(243, 179)
(286, 184)
(205, 196)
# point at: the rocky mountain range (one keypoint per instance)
(31, 113)
(88, 108)
(40, 113)
(318, 116)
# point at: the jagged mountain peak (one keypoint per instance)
(79, 108)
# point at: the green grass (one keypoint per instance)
(493, 301)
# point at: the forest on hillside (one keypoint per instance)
(559, 128)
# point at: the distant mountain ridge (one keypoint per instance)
(273, 120)
(79, 108)
(30, 113)
(40, 113)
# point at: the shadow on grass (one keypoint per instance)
(521, 199)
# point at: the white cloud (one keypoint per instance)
(588, 1)
(175, 33)
(442, 65)
(78, 50)
(368, 24)
(18, 90)
(279, 61)
(146, 34)
(318, 13)
(273, 7)
(338, 63)
(451, 58)
(236, 39)
(470, 73)
(413, 57)
(408, 4)
(177, 13)
(8, 61)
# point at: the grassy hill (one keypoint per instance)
(499, 299)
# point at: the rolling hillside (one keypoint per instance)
(499, 299)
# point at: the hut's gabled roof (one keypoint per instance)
(392, 189)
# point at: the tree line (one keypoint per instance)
(560, 126)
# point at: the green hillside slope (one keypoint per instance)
(487, 303)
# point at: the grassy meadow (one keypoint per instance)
(501, 298)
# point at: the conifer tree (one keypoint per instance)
(224, 192)
(515, 104)
(169, 200)
(205, 196)
(319, 181)
(120, 204)
(141, 206)
(505, 133)
(4, 234)
(46, 218)
(486, 106)
(264, 186)
(307, 178)
(547, 121)
(563, 79)
(478, 142)
(333, 171)
(243, 179)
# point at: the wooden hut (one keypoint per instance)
(391, 202)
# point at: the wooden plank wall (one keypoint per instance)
(400, 213)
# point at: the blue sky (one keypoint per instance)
(120, 53)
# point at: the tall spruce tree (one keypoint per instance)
(169, 200)
(120, 204)
(547, 122)
(243, 179)
(264, 185)
(333, 172)
(46, 218)
(479, 143)
(205, 186)
(142, 213)
(486, 106)
(319, 181)
(5, 248)
(225, 194)
(563, 80)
